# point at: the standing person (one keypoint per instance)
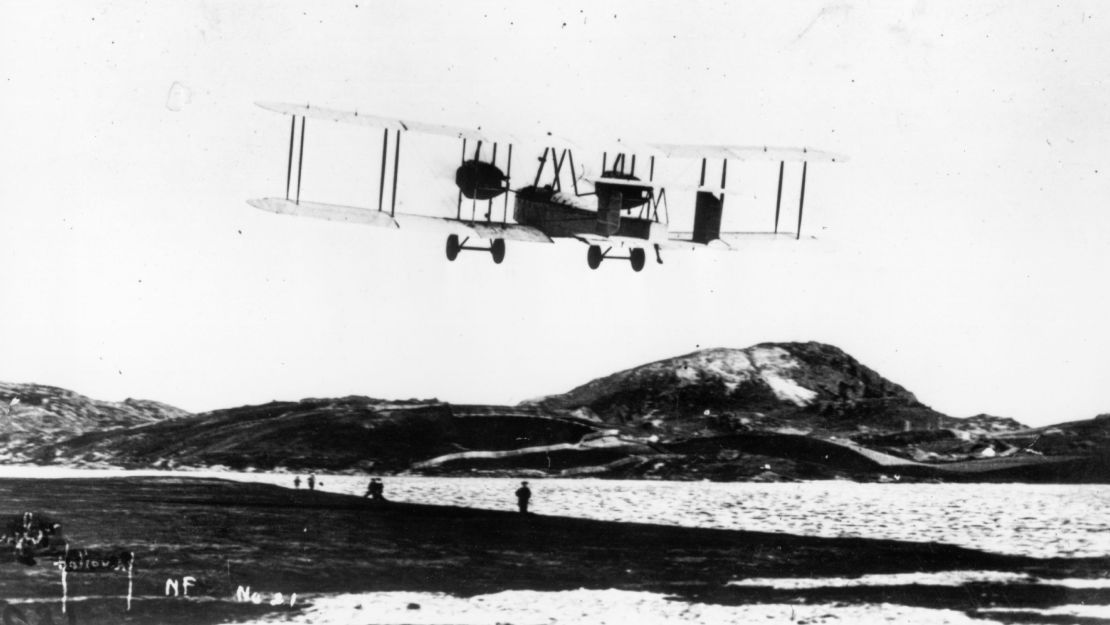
(523, 494)
(297, 482)
(311, 482)
(376, 489)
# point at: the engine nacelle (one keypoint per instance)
(707, 217)
(479, 180)
(632, 195)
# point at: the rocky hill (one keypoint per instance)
(1074, 437)
(767, 412)
(34, 415)
(811, 388)
(350, 433)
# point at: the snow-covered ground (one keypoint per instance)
(733, 367)
(616, 607)
(1038, 520)
(1041, 520)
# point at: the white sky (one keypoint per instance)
(961, 252)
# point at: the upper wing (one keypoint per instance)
(394, 123)
(371, 217)
(747, 153)
(656, 186)
(735, 152)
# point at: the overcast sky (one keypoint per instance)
(962, 252)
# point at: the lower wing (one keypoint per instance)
(382, 219)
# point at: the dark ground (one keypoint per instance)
(226, 534)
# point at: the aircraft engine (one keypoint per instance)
(707, 217)
(479, 180)
(633, 196)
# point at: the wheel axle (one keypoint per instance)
(454, 246)
(636, 257)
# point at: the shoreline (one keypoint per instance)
(227, 534)
(967, 478)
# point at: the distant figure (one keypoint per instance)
(376, 489)
(312, 482)
(297, 482)
(523, 494)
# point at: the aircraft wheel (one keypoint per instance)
(453, 247)
(593, 257)
(497, 250)
(637, 258)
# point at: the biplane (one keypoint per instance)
(615, 213)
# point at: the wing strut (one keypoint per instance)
(385, 158)
(539, 172)
(557, 163)
(289, 165)
(300, 162)
(801, 201)
(489, 203)
(724, 174)
(778, 200)
(396, 161)
(462, 159)
(508, 177)
(573, 173)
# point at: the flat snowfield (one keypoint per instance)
(352, 560)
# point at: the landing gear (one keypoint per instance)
(594, 256)
(497, 250)
(454, 246)
(636, 257)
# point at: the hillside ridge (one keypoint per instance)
(772, 411)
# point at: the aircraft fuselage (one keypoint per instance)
(544, 210)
